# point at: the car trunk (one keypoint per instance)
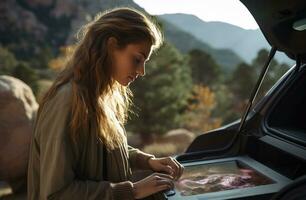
(257, 156)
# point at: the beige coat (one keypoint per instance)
(58, 169)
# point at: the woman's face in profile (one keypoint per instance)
(129, 62)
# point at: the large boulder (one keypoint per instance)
(180, 135)
(18, 109)
(173, 142)
(181, 138)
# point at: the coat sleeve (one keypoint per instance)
(58, 160)
(139, 159)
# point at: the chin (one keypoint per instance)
(124, 83)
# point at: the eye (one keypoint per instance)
(137, 61)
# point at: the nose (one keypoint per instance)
(141, 70)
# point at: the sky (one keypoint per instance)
(229, 11)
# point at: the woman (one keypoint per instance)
(79, 148)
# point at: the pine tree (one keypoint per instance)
(204, 68)
(160, 97)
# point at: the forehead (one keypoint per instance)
(142, 48)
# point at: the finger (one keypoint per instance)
(181, 168)
(168, 169)
(168, 161)
(164, 175)
(162, 187)
(164, 182)
(163, 179)
(174, 165)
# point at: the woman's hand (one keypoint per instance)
(152, 184)
(167, 164)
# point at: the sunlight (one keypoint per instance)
(229, 11)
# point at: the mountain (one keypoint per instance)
(91, 7)
(246, 43)
(31, 28)
(185, 41)
(46, 25)
(182, 40)
(34, 29)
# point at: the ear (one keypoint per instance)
(112, 42)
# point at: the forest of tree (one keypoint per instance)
(180, 90)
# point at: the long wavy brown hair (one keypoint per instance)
(96, 96)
